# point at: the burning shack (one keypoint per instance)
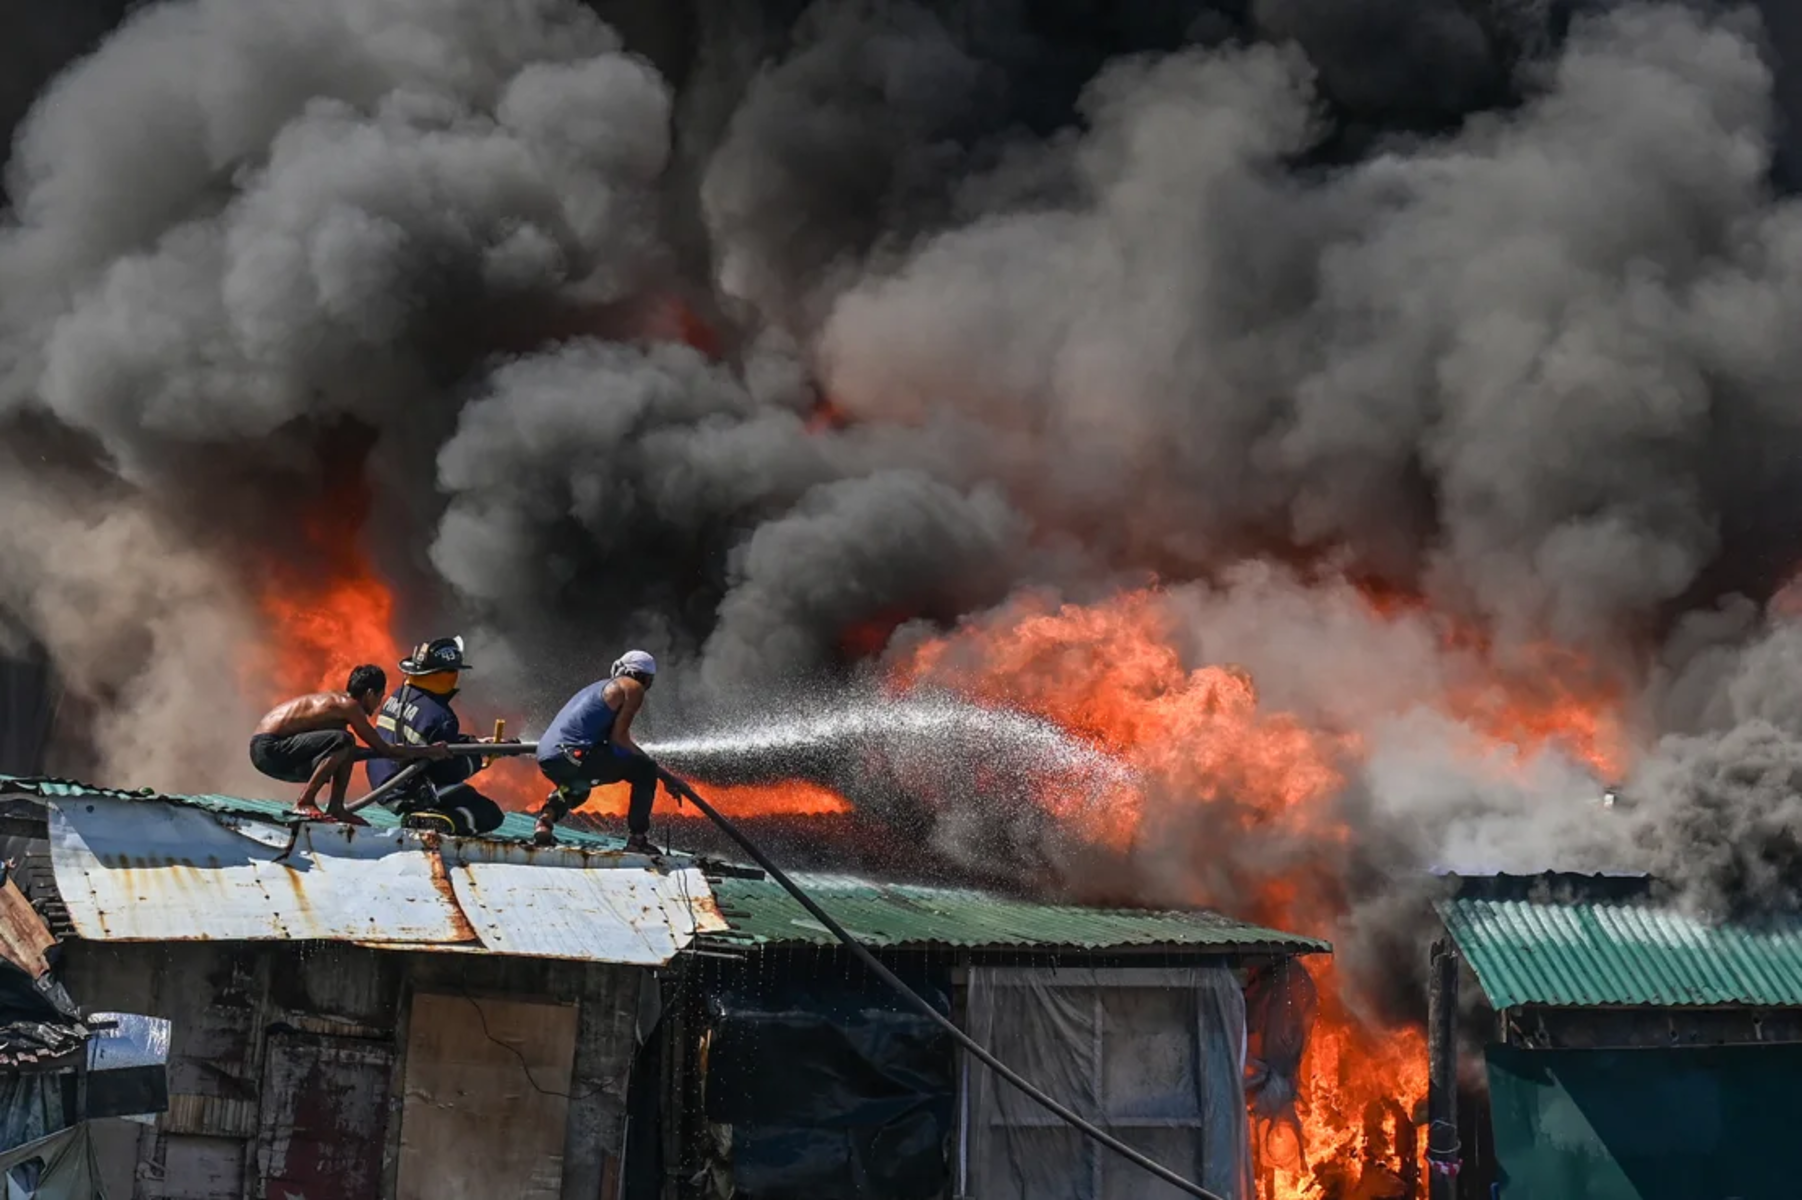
(805, 1080)
(378, 1012)
(1634, 1051)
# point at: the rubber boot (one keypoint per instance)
(429, 822)
(556, 807)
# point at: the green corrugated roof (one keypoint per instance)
(890, 914)
(517, 826)
(1621, 953)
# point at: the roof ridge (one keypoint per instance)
(275, 811)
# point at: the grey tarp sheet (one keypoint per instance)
(1155, 1056)
(70, 1169)
(31, 1106)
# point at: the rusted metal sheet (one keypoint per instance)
(131, 871)
(558, 902)
(208, 1116)
(23, 935)
(340, 985)
(324, 1118)
(196, 1168)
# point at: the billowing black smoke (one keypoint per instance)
(1492, 303)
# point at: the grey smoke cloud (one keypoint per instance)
(1720, 819)
(1508, 351)
(847, 142)
(233, 216)
(142, 626)
(1534, 367)
(1395, 59)
(601, 481)
(896, 538)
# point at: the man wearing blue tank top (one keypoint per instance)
(589, 742)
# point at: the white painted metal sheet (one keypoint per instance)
(135, 871)
(567, 903)
(132, 870)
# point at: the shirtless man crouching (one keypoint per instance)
(308, 740)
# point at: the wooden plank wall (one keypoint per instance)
(338, 1016)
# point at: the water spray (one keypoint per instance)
(792, 737)
(929, 732)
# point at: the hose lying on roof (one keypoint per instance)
(887, 976)
(412, 769)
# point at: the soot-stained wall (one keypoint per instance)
(290, 1062)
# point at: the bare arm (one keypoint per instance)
(366, 733)
(631, 700)
(359, 725)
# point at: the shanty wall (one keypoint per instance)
(319, 1071)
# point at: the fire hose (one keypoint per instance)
(411, 771)
(876, 967)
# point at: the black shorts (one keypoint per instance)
(294, 758)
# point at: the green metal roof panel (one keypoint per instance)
(517, 826)
(885, 914)
(1612, 953)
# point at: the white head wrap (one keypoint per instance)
(634, 660)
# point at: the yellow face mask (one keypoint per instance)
(439, 683)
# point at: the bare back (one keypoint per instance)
(305, 714)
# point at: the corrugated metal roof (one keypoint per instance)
(134, 871)
(130, 869)
(517, 827)
(504, 902)
(1621, 953)
(889, 914)
(547, 903)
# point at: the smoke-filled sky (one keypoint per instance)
(1492, 305)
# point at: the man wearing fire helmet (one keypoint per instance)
(590, 742)
(419, 714)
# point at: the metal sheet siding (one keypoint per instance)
(547, 903)
(900, 915)
(136, 870)
(131, 871)
(1621, 954)
(323, 1119)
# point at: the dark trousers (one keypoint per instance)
(599, 767)
(470, 811)
(294, 758)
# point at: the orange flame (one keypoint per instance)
(1214, 765)
(320, 629)
(515, 784)
(826, 415)
(1208, 755)
(1110, 675)
(1551, 697)
(324, 617)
